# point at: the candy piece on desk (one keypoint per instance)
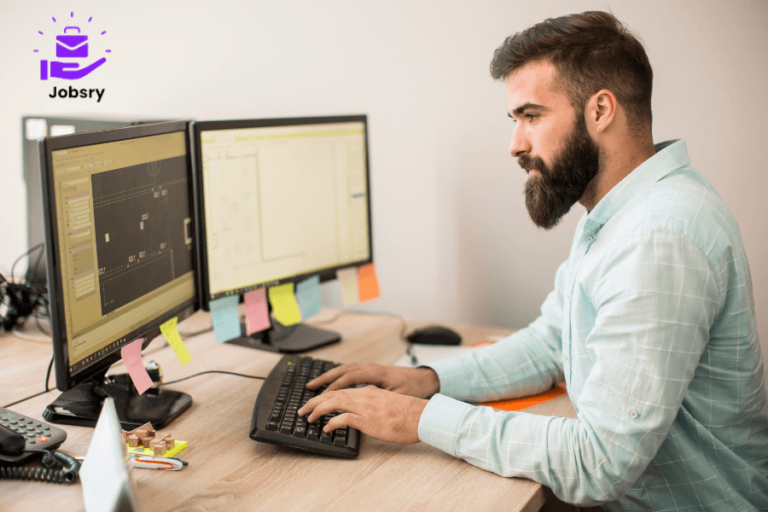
(133, 441)
(145, 442)
(169, 443)
(141, 434)
(159, 449)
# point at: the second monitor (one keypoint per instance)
(281, 200)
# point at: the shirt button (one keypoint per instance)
(568, 297)
(589, 239)
(633, 415)
(567, 360)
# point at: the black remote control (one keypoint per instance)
(37, 435)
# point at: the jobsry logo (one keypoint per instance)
(71, 45)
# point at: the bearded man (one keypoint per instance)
(651, 323)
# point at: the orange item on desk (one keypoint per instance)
(518, 404)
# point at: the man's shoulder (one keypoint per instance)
(683, 201)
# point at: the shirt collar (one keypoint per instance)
(670, 155)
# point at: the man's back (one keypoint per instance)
(716, 449)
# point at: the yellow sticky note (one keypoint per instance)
(284, 303)
(171, 333)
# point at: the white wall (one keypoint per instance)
(453, 241)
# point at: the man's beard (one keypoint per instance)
(549, 196)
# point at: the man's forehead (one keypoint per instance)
(533, 83)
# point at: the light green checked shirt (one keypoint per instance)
(652, 326)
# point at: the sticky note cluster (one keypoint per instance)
(131, 355)
(291, 303)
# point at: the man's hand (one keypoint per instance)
(418, 382)
(375, 412)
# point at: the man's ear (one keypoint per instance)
(600, 111)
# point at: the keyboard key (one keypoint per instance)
(325, 437)
(313, 433)
(271, 426)
(300, 432)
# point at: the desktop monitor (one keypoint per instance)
(33, 128)
(119, 233)
(278, 201)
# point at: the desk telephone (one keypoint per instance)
(22, 438)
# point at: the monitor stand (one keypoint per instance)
(81, 405)
(289, 339)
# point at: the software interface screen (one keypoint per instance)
(283, 201)
(125, 240)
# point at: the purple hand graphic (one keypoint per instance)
(67, 70)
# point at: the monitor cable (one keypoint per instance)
(214, 371)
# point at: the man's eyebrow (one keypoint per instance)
(527, 106)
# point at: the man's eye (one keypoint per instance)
(531, 117)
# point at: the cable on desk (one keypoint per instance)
(402, 320)
(23, 399)
(194, 333)
(215, 371)
(19, 300)
(48, 374)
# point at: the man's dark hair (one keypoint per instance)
(591, 51)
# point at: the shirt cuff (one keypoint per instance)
(452, 373)
(440, 422)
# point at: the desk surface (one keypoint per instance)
(231, 472)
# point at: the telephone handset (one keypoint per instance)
(21, 438)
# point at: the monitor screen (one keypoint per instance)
(281, 199)
(33, 128)
(120, 225)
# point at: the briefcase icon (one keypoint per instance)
(68, 46)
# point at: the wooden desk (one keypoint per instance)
(229, 471)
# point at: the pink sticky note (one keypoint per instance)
(256, 313)
(131, 354)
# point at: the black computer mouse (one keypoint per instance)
(434, 335)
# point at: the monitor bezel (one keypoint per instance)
(196, 128)
(151, 329)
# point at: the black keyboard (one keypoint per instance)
(275, 418)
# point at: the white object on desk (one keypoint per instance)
(107, 486)
(430, 353)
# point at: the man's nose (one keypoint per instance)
(520, 143)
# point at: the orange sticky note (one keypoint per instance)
(368, 285)
(131, 354)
